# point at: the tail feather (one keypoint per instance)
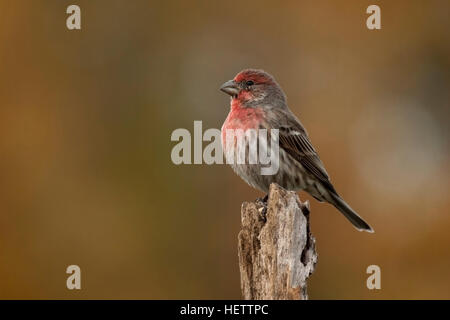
(349, 213)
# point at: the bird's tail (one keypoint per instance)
(349, 213)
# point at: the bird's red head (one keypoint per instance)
(255, 76)
(254, 88)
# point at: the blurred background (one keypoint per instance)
(85, 124)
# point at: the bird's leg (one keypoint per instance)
(264, 213)
(264, 199)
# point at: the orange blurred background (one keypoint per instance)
(85, 124)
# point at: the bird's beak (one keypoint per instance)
(230, 87)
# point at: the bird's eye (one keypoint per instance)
(249, 83)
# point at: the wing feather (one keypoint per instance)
(294, 140)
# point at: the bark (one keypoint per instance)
(276, 248)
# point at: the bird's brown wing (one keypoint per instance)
(294, 140)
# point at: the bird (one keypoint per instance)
(258, 102)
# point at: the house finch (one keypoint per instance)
(258, 102)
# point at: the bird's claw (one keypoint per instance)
(263, 213)
(263, 209)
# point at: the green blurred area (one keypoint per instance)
(85, 124)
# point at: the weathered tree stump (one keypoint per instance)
(276, 248)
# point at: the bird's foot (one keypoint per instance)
(263, 213)
(263, 209)
(264, 199)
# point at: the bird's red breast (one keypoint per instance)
(241, 118)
